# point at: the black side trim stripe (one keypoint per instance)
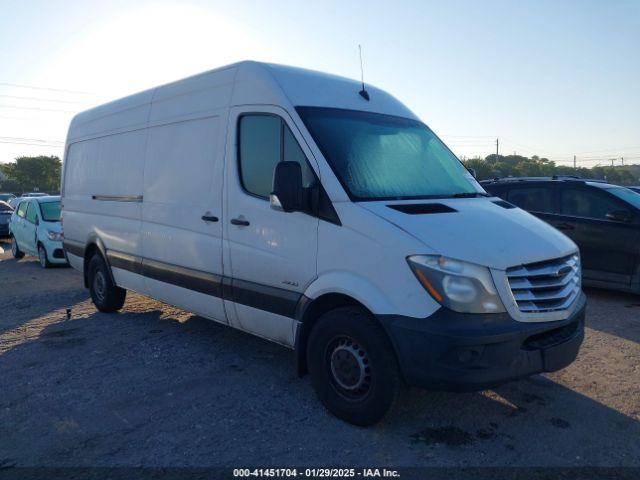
(125, 261)
(196, 280)
(256, 295)
(73, 247)
(265, 297)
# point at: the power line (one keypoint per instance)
(17, 97)
(32, 87)
(33, 144)
(39, 109)
(31, 140)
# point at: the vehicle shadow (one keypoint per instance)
(33, 291)
(146, 388)
(615, 313)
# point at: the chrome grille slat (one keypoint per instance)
(545, 286)
(523, 283)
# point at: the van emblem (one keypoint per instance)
(293, 284)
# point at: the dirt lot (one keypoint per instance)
(156, 386)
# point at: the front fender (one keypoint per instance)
(354, 286)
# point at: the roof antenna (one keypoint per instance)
(363, 93)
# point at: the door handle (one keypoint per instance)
(209, 218)
(240, 222)
(564, 226)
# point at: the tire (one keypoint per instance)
(42, 257)
(106, 296)
(353, 368)
(15, 250)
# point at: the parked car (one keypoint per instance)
(34, 194)
(35, 230)
(13, 202)
(5, 197)
(603, 219)
(5, 216)
(299, 207)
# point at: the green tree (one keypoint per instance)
(500, 166)
(34, 173)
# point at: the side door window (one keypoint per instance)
(264, 141)
(588, 203)
(32, 213)
(22, 209)
(537, 199)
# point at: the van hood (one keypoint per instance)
(478, 230)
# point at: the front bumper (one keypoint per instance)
(55, 252)
(465, 352)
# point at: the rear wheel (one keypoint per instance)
(15, 250)
(352, 365)
(42, 257)
(106, 295)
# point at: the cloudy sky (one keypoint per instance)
(553, 78)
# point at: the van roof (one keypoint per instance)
(243, 83)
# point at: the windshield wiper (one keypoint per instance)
(469, 195)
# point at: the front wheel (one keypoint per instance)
(106, 295)
(42, 257)
(15, 250)
(352, 365)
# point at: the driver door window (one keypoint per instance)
(266, 140)
(587, 204)
(22, 209)
(32, 213)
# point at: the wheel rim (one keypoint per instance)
(42, 255)
(99, 285)
(349, 368)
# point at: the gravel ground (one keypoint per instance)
(156, 386)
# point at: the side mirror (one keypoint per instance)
(618, 216)
(288, 193)
(37, 220)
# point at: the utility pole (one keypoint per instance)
(497, 147)
(612, 161)
(623, 161)
(574, 162)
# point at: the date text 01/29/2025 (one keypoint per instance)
(316, 473)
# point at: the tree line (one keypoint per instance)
(42, 173)
(499, 166)
(29, 174)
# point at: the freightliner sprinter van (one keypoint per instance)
(324, 216)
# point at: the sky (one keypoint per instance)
(554, 78)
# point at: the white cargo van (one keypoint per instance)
(296, 206)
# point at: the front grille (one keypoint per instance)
(58, 253)
(545, 286)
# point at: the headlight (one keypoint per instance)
(461, 286)
(54, 236)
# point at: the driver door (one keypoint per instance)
(608, 248)
(30, 229)
(270, 255)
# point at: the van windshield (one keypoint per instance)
(383, 157)
(50, 211)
